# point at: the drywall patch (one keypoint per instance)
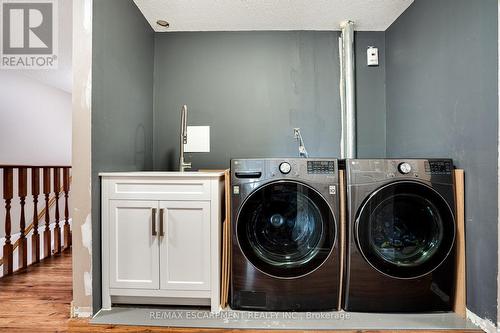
(88, 92)
(485, 324)
(87, 243)
(87, 234)
(87, 283)
(87, 16)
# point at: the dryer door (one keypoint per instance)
(286, 229)
(405, 229)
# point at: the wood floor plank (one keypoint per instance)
(38, 301)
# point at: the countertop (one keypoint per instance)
(167, 174)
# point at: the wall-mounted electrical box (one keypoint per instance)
(372, 56)
(198, 139)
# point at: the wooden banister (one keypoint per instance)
(47, 239)
(57, 228)
(8, 185)
(30, 227)
(35, 238)
(22, 188)
(67, 230)
(21, 243)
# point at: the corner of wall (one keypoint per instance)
(498, 170)
(81, 157)
(154, 111)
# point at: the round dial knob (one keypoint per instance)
(285, 167)
(404, 168)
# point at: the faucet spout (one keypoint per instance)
(183, 165)
(302, 147)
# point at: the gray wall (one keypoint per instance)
(370, 97)
(122, 103)
(252, 88)
(442, 95)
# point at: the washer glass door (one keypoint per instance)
(286, 229)
(405, 229)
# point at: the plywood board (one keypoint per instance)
(226, 242)
(459, 304)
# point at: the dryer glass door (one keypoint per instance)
(405, 229)
(286, 229)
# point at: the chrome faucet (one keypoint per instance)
(183, 140)
(302, 147)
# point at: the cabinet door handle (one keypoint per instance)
(161, 223)
(153, 222)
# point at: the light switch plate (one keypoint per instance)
(198, 139)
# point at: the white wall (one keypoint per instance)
(35, 106)
(35, 121)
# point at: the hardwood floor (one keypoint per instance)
(38, 300)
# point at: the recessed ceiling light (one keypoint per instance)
(163, 23)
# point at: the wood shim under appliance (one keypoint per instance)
(226, 243)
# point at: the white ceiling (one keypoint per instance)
(241, 15)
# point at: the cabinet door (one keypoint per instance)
(134, 251)
(185, 245)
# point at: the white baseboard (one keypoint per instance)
(485, 324)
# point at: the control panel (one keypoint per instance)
(438, 167)
(320, 167)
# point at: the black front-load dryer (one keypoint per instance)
(285, 253)
(401, 232)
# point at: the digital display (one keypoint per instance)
(438, 167)
(320, 167)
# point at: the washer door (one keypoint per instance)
(286, 229)
(405, 229)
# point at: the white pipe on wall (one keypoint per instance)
(342, 99)
(347, 90)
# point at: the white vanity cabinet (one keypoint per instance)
(161, 238)
(185, 247)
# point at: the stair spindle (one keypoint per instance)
(67, 229)
(47, 239)
(35, 238)
(8, 185)
(22, 188)
(57, 228)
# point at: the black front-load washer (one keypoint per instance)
(401, 233)
(285, 253)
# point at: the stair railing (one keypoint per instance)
(51, 175)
